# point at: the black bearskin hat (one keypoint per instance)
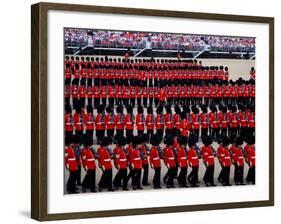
(168, 109)
(159, 110)
(182, 140)
(105, 141)
(89, 109)
(67, 109)
(87, 140)
(207, 140)
(120, 140)
(168, 140)
(109, 109)
(149, 110)
(177, 109)
(100, 109)
(239, 141)
(192, 140)
(119, 109)
(129, 109)
(140, 109)
(183, 115)
(136, 140)
(225, 141)
(155, 140)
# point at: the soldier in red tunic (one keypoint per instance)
(104, 157)
(149, 121)
(71, 165)
(89, 164)
(225, 161)
(109, 122)
(168, 120)
(159, 122)
(238, 160)
(136, 163)
(100, 123)
(208, 156)
(177, 119)
(140, 120)
(250, 157)
(182, 160)
(155, 161)
(89, 121)
(120, 162)
(68, 121)
(170, 161)
(193, 161)
(129, 121)
(204, 121)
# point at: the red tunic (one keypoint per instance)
(144, 154)
(250, 155)
(149, 121)
(99, 122)
(237, 155)
(129, 122)
(88, 159)
(169, 157)
(104, 158)
(182, 157)
(140, 121)
(68, 122)
(208, 155)
(154, 157)
(135, 159)
(192, 157)
(159, 120)
(119, 121)
(70, 159)
(110, 121)
(120, 158)
(168, 120)
(224, 156)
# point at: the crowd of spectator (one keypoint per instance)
(101, 38)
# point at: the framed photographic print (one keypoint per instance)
(139, 111)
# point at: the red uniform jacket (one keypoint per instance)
(119, 121)
(208, 155)
(88, 159)
(223, 120)
(159, 120)
(237, 155)
(89, 121)
(68, 122)
(140, 121)
(149, 120)
(78, 123)
(70, 159)
(182, 157)
(169, 157)
(195, 121)
(104, 158)
(135, 159)
(192, 157)
(185, 126)
(233, 120)
(250, 155)
(177, 121)
(213, 120)
(154, 157)
(99, 122)
(168, 120)
(204, 120)
(110, 121)
(120, 158)
(224, 156)
(129, 122)
(144, 154)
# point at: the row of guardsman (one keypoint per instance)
(200, 121)
(134, 154)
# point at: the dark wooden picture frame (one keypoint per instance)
(39, 110)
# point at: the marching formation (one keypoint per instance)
(134, 158)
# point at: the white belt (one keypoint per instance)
(157, 158)
(140, 123)
(122, 159)
(91, 159)
(89, 122)
(234, 121)
(72, 159)
(253, 157)
(210, 156)
(183, 157)
(137, 159)
(129, 122)
(106, 160)
(240, 157)
(68, 123)
(227, 157)
(149, 123)
(79, 123)
(171, 158)
(194, 157)
(99, 123)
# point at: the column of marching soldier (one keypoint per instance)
(134, 155)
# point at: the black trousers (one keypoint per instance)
(193, 176)
(145, 174)
(96, 102)
(233, 132)
(251, 176)
(120, 131)
(90, 133)
(182, 176)
(224, 131)
(136, 178)
(78, 176)
(224, 175)
(90, 180)
(71, 182)
(106, 179)
(140, 132)
(120, 178)
(129, 133)
(100, 135)
(204, 132)
(160, 133)
(157, 177)
(209, 175)
(149, 133)
(238, 174)
(172, 172)
(110, 133)
(145, 101)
